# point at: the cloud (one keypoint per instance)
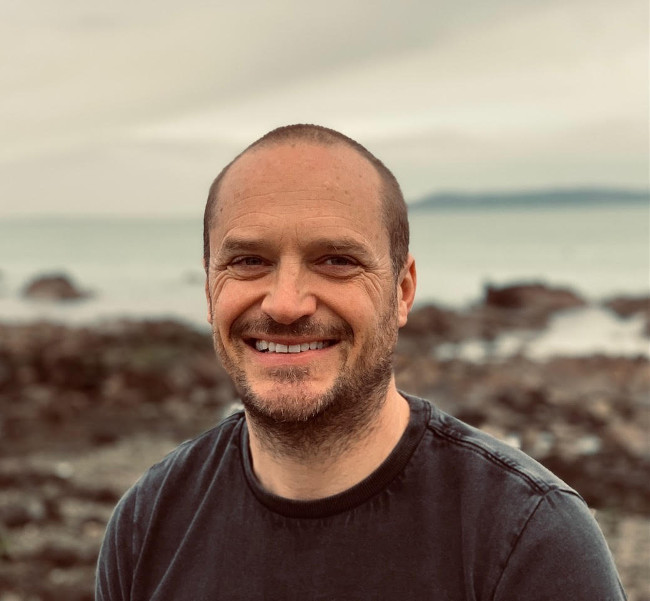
(119, 94)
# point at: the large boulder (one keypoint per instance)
(53, 287)
(534, 296)
(524, 306)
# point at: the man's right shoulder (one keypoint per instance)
(194, 458)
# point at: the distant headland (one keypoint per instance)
(555, 197)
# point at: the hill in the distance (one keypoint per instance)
(530, 198)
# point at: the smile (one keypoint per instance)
(265, 346)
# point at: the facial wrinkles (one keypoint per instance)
(292, 250)
(251, 199)
(296, 229)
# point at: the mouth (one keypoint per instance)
(268, 346)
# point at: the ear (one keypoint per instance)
(208, 298)
(406, 290)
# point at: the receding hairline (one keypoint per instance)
(263, 145)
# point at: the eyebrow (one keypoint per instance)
(336, 245)
(235, 245)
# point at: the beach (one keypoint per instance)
(85, 409)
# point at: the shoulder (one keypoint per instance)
(217, 438)
(474, 450)
(164, 500)
(536, 532)
(190, 466)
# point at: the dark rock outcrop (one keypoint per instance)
(53, 287)
(629, 306)
(536, 296)
(626, 306)
(503, 309)
(526, 306)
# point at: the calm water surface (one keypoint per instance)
(152, 267)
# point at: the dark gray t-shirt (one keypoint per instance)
(452, 514)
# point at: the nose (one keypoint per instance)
(288, 298)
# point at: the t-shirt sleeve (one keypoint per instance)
(115, 564)
(560, 554)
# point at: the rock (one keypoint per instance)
(431, 319)
(78, 396)
(17, 514)
(629, 438)
(66, 553)
(629, 306)
(513, 307)
(520, 307)
(53, 287)
(531, 296)
(429, 326)
(626, 306)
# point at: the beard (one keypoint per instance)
(300, 424)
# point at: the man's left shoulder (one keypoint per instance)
(484, 459)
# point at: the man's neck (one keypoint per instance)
(324, 473)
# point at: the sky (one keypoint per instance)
(133, 107)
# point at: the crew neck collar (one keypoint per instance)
(357, 494)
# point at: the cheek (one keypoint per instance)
(224, 303)
(369, 295)
(363, 305)
(231, 299)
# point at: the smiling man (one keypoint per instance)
(305, 306)
(331, 484)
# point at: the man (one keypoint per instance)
(331, 484)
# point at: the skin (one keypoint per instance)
(299, 254)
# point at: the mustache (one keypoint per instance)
(303, 327)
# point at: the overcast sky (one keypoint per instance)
(134, 106)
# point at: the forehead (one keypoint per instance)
(300, 174)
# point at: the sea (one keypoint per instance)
(150, 268)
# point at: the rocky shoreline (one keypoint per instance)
(83, 411)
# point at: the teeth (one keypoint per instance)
(276, 347)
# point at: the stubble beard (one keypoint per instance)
(302, 426)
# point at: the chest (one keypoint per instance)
(367, 554)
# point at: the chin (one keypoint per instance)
(286, 402)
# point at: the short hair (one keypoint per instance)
(394, 211)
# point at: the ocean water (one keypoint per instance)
(599, 251)
(151, 268)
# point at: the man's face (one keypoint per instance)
(301, 296)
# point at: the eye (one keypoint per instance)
(339, 261)
(248, 266)
(338, 266)
(247, 262)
